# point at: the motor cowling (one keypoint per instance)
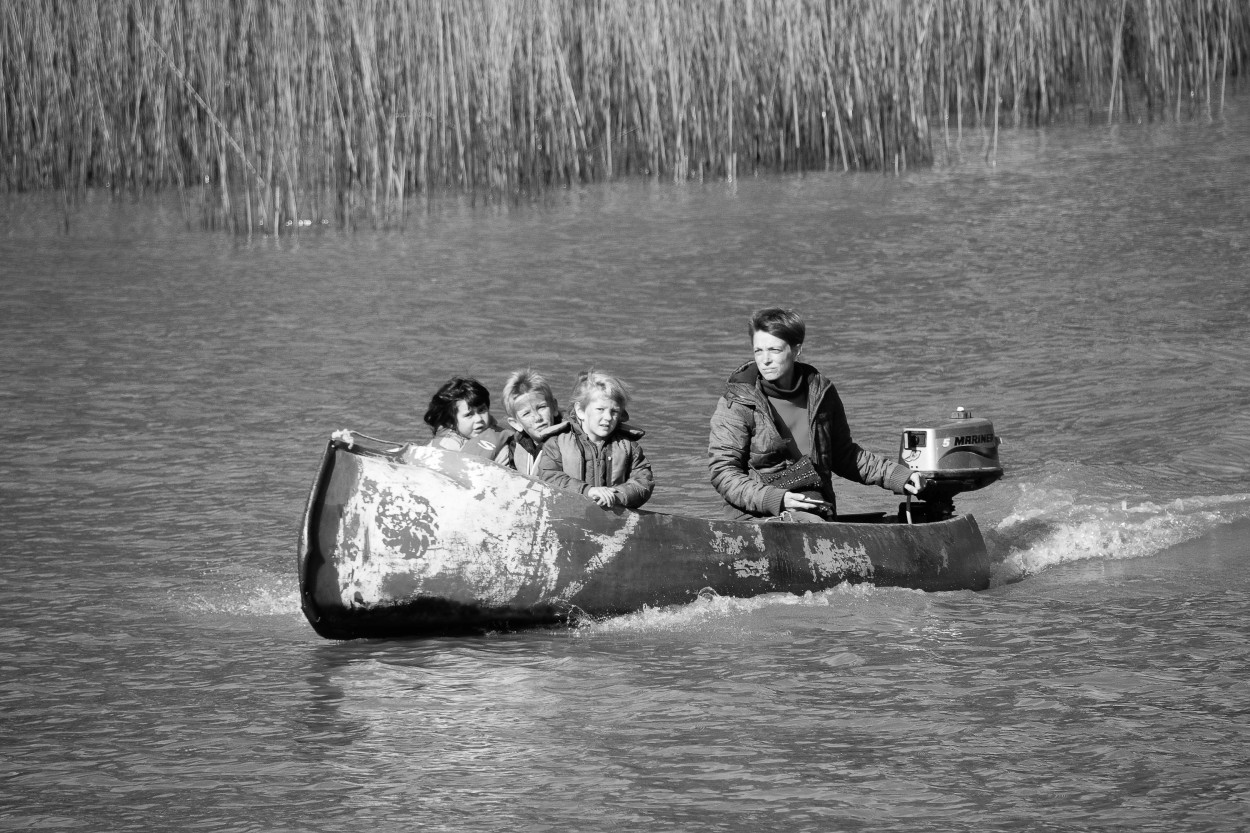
(961, 455)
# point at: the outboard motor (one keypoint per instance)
(959, 456)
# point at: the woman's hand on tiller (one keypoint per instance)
(801, 502)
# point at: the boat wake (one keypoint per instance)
(255, 592)
(1051, 526)
(713, 613)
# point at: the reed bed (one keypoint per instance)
(277, 113)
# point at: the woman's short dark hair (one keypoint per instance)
(442, 410)
(785, 324)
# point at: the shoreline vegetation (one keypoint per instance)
(279, 113)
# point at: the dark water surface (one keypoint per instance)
(167, 394)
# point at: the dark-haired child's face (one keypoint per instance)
(534, 414)
(471, 421)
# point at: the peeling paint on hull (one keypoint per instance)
(448, 544)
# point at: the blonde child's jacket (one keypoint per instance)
(571, 461)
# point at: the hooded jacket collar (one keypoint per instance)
(745, 384)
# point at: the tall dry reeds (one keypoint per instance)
(279, 112)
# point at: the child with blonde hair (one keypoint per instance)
(534, 414)
(600, 457)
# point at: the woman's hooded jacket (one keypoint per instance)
(745, 443)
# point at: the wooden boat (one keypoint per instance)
(420, 541)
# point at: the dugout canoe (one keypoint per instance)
(430, 542)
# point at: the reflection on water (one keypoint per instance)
(169, 393)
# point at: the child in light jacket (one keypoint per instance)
(459, 415)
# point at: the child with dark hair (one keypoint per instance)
(459, 415)
(600, 457)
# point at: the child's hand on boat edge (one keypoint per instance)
(602, 495)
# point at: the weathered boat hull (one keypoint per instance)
(452, 544)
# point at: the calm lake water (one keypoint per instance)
(168, 393)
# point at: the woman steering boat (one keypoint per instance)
(779, 433)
